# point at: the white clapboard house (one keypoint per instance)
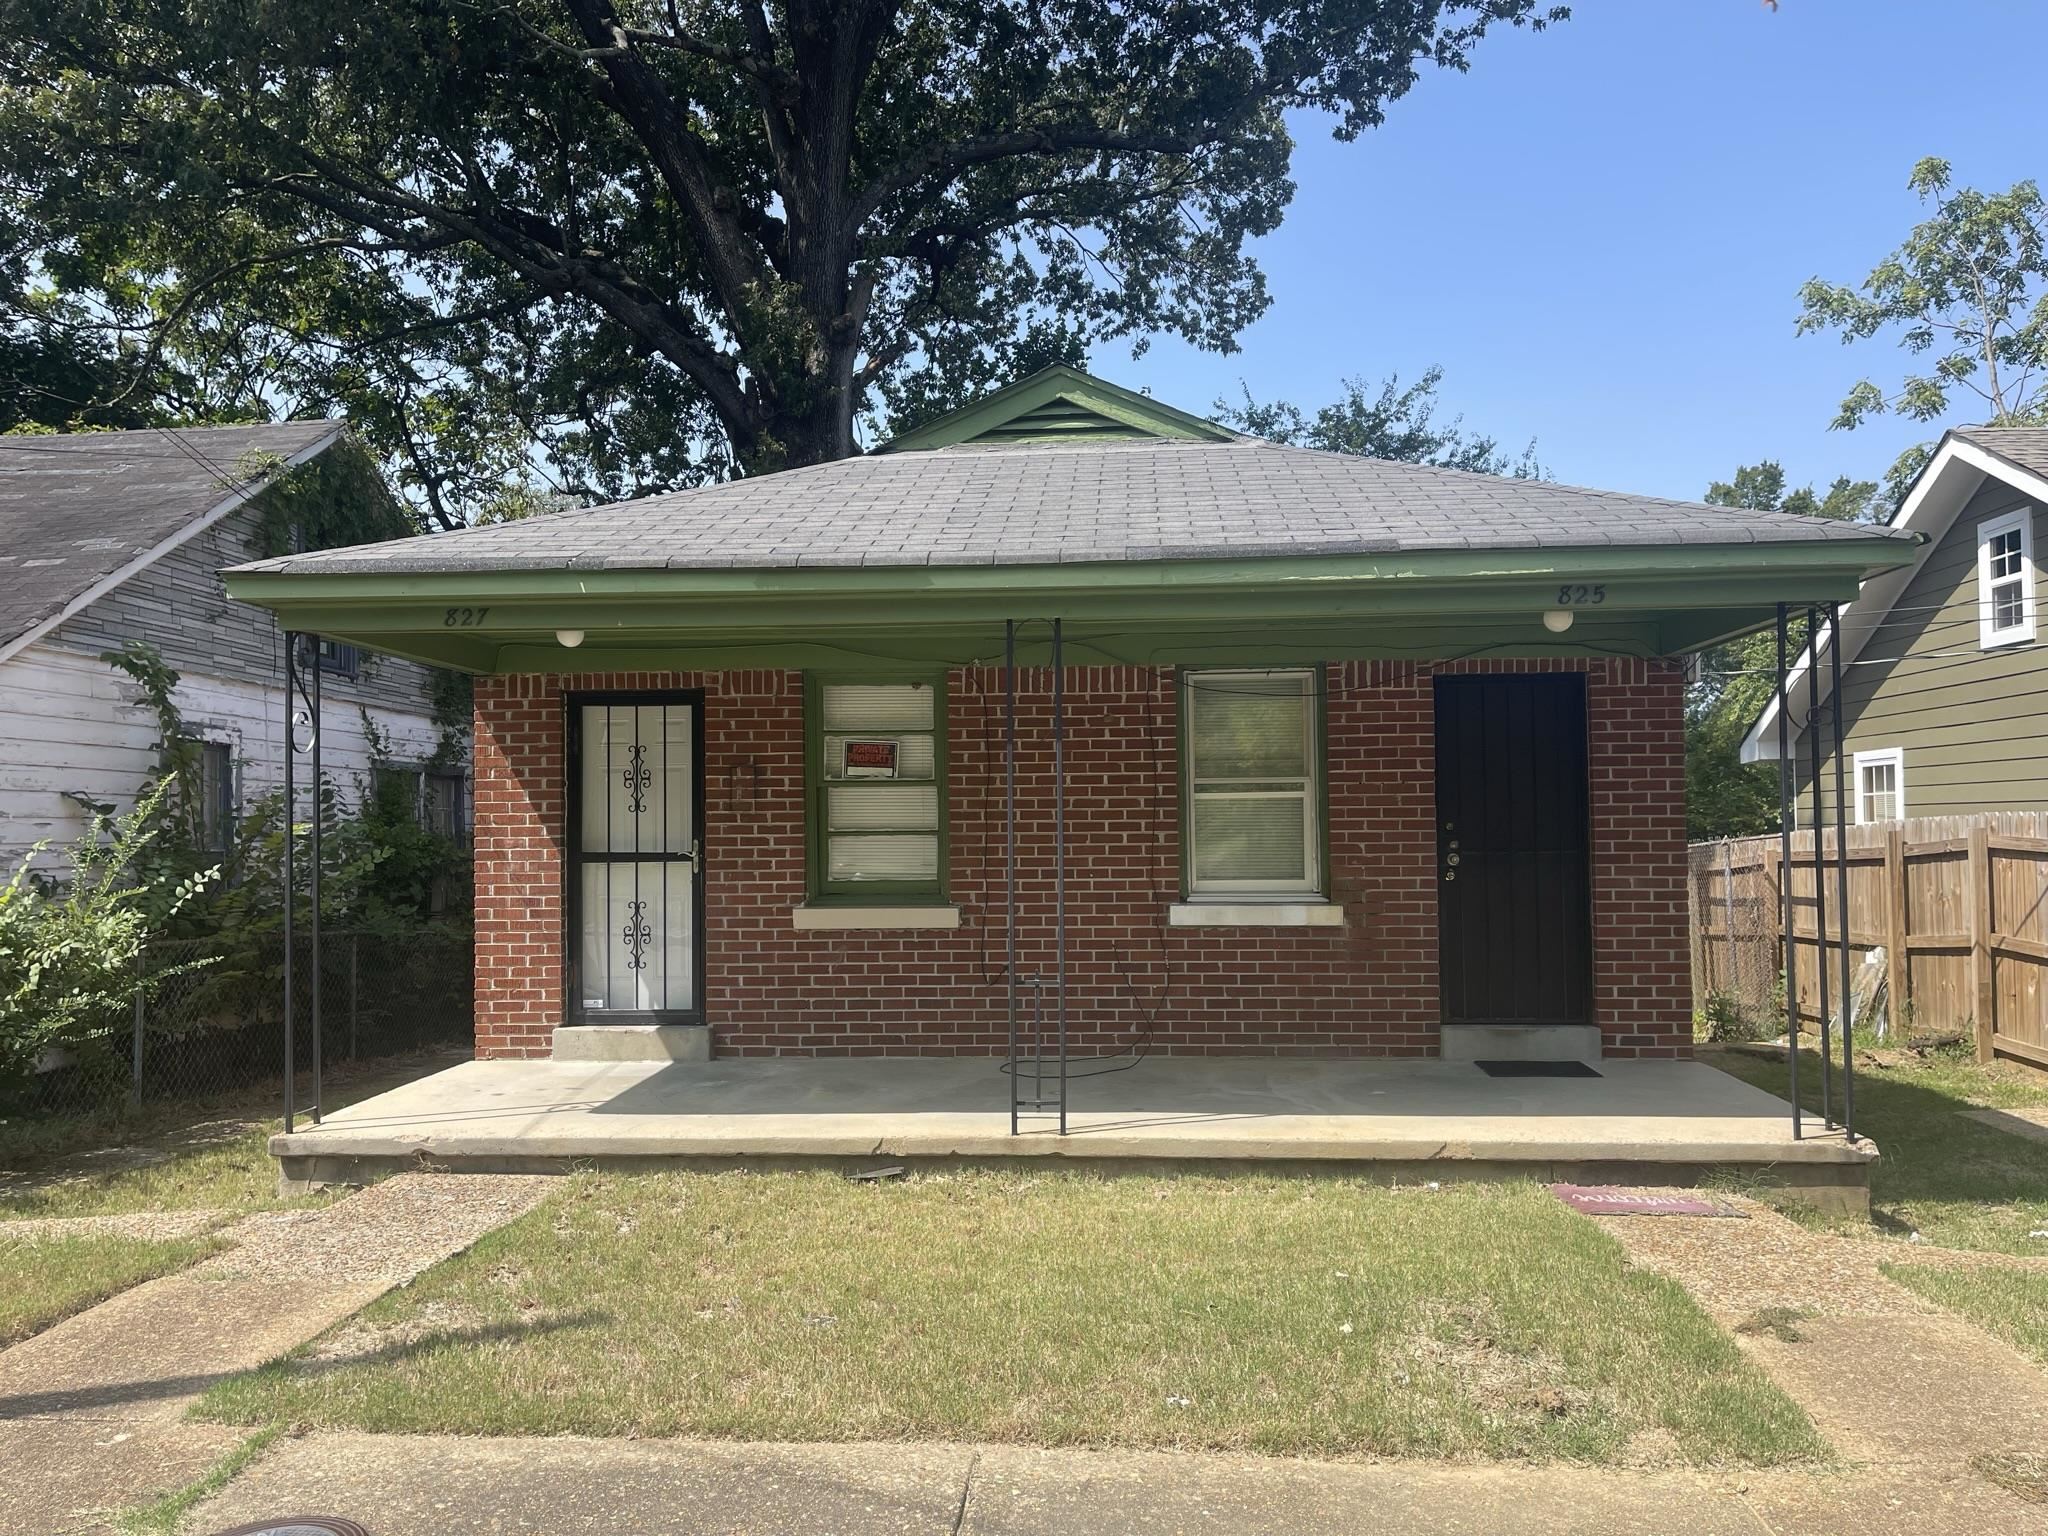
(112, 537)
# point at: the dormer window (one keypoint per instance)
(2005, 578)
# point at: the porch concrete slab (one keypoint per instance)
(1416, 1114)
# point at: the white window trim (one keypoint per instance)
(1878, 757)
(2022, 520)
(1311, 885)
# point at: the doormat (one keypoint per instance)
(1535, 1069)
(1620, 1202)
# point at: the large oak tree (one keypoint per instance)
(643, 241)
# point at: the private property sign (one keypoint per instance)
(1622, 1202)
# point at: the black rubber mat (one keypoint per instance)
(1535, 1069)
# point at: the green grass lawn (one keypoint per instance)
(1293, 1316)
(177, 1156)
(45, 1280)
(1956, 1181)
(180, 1156)
(2010, 1303)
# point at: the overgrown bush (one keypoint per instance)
(1724, 1021)
(72, 945)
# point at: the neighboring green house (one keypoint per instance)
(1944, 673)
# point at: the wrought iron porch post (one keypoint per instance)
(1820, 886)
(1842, 874)
(1786, 802)
(291, 701)
(1059, 855)
(313, 650)
(1010, 842)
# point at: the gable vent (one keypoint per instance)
(1058, 418)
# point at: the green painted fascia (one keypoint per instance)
(1140, 412)
(1681, 565)
(1285, 610)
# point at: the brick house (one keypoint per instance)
(1352, 757)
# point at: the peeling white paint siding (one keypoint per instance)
(71, 722)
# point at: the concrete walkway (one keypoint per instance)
(444, 1486)
(1914, 1396)
(91, 1409)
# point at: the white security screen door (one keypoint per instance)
(635, 859)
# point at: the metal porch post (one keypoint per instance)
(319, 815)
(1820, 887)
(1010, 843)
(1059, 856)
(291, 697)
(1842, 875)
(1785, 807)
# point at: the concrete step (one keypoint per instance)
(1520, 1042)
(633, 1042)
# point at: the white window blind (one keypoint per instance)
(879, 798)
(1252, 792)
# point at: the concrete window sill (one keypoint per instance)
(1255, 914)
(822, 918)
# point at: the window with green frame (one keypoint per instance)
(1252, 808)
(875, 782)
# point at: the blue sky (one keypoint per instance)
(1600, 231)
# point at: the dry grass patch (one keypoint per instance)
(1289, 1316)
(2011, 1303)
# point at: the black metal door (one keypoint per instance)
(1514, 891)
(635, 869)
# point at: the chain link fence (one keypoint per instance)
(210, 1019)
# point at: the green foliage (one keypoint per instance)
(379, 867)
(1967, 292)
(1391, 423)
(329, 502)
(1725, 797)
(632, 244)
(71, 948)
(1724, 1021)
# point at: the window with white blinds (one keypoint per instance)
(877, 789)
(1253, 791)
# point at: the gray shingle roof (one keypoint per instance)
(1047, 503)
(76, 507)
(2024, 446)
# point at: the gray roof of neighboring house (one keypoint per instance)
(77, 507)
(2024, 446)
(1046, 503)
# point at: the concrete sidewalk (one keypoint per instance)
(446, 1486)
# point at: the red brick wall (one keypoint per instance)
(1368, 988)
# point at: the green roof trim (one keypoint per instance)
(1628, 601)
(1058, 404)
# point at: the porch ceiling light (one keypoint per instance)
(571, 638)
(1557, 620)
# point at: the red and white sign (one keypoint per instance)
(1622, 1202)
(868, 759)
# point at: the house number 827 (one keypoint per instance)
(1581, 596)
(463, 618)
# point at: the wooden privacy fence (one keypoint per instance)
(1949, 912)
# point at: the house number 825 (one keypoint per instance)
(1580, 596)
(463, 618)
